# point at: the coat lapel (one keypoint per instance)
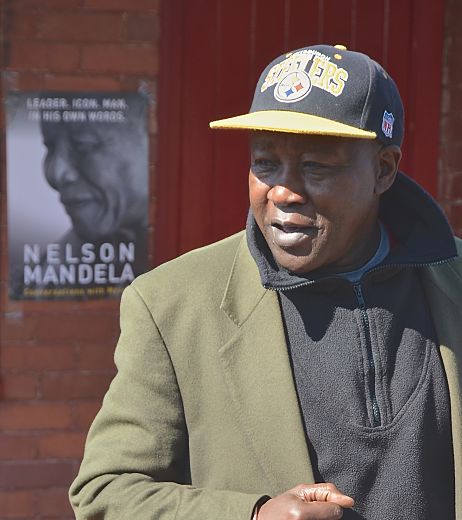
(259, 376)
(442, 285)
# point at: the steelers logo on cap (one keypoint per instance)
(293, 87)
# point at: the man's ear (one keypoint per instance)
(388, 160)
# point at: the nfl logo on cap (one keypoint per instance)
(387, 124)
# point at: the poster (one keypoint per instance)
(77, 193)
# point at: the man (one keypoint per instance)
(318, 351)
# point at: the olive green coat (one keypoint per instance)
(205, 397)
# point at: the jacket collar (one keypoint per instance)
(417, 223)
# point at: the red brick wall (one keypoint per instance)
(450, 164)
(56, 358)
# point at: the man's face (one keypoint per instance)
(100, 172)
(314, 199)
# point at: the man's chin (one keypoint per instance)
(296, 263)
(86, 234)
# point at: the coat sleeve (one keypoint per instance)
(136, 455)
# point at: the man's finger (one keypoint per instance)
(324, 493)
(322, 511)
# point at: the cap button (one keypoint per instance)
(341, 47)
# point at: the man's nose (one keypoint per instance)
(59, 169)
(289, 189)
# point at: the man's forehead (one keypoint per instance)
(263, 140)
(74, 129)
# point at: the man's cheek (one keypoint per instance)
(100, 170)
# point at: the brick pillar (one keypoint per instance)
(450, 165)
(56, 357)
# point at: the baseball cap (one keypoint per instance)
(325, 90)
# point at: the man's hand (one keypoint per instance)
(306, 502)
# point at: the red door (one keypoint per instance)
(212, 54)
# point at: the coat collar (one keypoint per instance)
(258, 372)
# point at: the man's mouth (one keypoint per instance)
(287, 234)
(75, 201)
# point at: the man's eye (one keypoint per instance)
(85, 145)
(315, 168)
(260, 166)
(313, 165)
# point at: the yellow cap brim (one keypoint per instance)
(291, 122)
